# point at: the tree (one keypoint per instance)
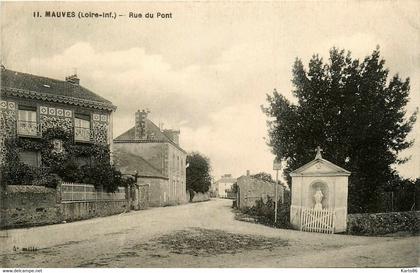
(198, 173)
(354, 112)
(263, 176)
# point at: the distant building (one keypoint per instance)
(31, 105)
(157, 157)
(224, 184)
(251, 189)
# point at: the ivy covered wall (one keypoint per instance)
(52, 116)
(8, 117)
(61, 156)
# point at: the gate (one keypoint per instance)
(321, 220)
(144, 196)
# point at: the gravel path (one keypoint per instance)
(195, 235)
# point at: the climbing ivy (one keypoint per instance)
(60, 164)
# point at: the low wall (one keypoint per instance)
(23, 206)
(383, 223)
(74, 211)
(26, 206)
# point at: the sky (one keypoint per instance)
(207, 69)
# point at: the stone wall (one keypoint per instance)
(23, 206)
(84, 210)
(158, 190)
(26, 206)
(383, 223)
(176, 162)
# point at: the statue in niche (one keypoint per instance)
(318, 199)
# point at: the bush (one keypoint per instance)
(48, 180)
(264, 213)
(69, 171)
(383, 223)
(17, 174)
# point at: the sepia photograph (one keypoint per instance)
(213, 135)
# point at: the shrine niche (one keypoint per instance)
(319, 192)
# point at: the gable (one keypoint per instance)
(320, 167)
(154, 134)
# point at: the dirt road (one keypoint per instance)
(195, 235)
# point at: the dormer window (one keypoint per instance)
(82, 127)
(27, 124)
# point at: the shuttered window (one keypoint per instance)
(82, 121)
(82, 127)
(27, 115)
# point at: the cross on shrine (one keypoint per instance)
(318, 151)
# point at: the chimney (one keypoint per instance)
(248, 173)
(73, 79)
(140, 127)
(173, 135)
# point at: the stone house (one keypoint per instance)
(251, 189)
(224, 184)
(157, 157)
(30, 105)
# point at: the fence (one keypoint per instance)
(84, 192)
(321, 220)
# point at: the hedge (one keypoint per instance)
(383, 223)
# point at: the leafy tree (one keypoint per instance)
(198, 173)
(354, 112)
(264, 177)
(235, 188)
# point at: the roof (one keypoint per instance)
(18, 84)
(320, 167)
(129, 163)
(251, 178)
(152, 129)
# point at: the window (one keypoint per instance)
(178, 167)
(182, 167)
(30, 158)
(173, 162)
(82, 127)
(27, 124)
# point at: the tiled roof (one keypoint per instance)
(37, 87)
(129, 163)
